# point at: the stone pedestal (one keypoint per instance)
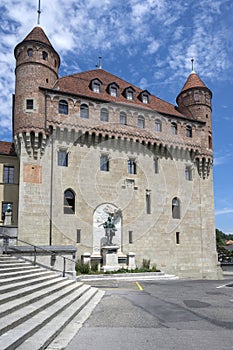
(131, 261)
(8, 218)
(110, 258)
(86, 258)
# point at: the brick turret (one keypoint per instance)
(37, 65)
(194, 101)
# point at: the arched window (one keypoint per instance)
(174, 128)
(30, 52)
(141, 122)
(158, 125)
(123, 118)
(44, 55)
(176, 208)
(104, 115)
(69, 202)
(84, 110)
(188, 131)
(63, 107)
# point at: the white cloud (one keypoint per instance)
(145, 33)
(224, 211)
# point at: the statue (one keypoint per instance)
(110, 229)
(9, 208)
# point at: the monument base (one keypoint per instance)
(110, 258)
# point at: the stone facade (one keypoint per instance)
(90, 142)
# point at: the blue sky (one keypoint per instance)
(150, 44)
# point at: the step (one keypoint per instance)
(25, 280)
(21, 272)
(48, 288)
(15, 294)
(17, 269)
(15, 318)
(18, 284)
(66, 335)
(16, 336)
(45, 335)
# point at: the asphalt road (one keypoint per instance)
(163, 315)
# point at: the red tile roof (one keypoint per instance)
(37, 34)
(193, 81)
(7, 148)
(79, 84)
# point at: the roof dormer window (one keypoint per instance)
(113, 89)
(96, 85)
(144, 97)
(129, 93)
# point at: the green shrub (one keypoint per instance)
(95, 266)
(146, 264)
(82, 268)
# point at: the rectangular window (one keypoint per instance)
(113, 91)
(96, 87)
(156, 165)
(132, 166)
(4, 208)
(30, 103)
(188, 173)
(158, 126)
(78, 238)
(130, 237)
(62, 158)
(148, 202)
(8, 174)
(145, 99)
(177, 237)
(129, 95)
(104, 163)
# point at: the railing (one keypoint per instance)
(38, 250)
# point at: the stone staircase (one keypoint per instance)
(37, 304)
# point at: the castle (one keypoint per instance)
(91, 145)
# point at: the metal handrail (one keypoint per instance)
(36, 248)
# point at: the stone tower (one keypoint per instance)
(194, 101)
(37, 65)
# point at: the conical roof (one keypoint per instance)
(193, 81)
(37, 34)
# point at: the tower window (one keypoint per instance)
(188, 131)
(177, 237)
(156, 165)
(104, 163)
(62, 158)
(104, 115)
(174, 128)
(132, 169)
(69, 202)
(130, 237)
(158, 125)
(30, 53)
(176, 208)
(196, 96)
(141, 122)
(63, 107)
(44, 55)
(29, 104)
(148, 202)
(188, 173)
(8, 174)
(78, 238)
(210, 142)
(84, 110)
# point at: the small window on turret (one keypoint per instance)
(188, 131)
(29, 104)
(44, 55)
(196, 96)
(30, 53)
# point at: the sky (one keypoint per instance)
(149, 43)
